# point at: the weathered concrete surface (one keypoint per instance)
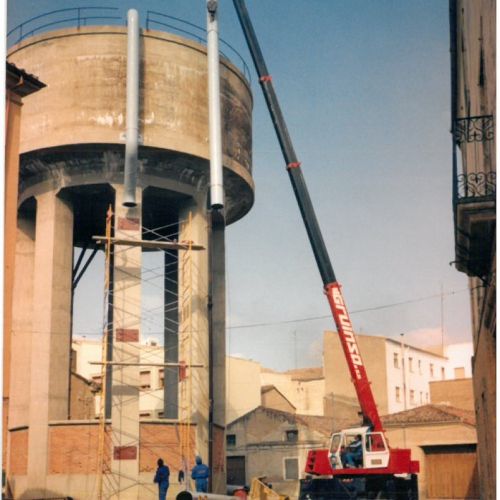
(84, 105)
(50, 343)
(22, 322)
(126, 341)
(193, 326)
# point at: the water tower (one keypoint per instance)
(73, 135)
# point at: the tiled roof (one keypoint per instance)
(430, 414)
(20, 81)
(323, 425)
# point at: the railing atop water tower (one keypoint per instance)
(87, 16)
(158, 19)
(76, 16)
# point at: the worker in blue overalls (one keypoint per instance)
(162, 478)
(200, 473)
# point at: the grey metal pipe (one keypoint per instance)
(191, 495)
(132, 141)
(214, 114)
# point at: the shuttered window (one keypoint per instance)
(291, 468)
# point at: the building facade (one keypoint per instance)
(443, 439)
(273, 445)
(473, 117)
(399, 373)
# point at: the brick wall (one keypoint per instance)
(219, 450)
(19, 451)
(73, 448)
(159, 440)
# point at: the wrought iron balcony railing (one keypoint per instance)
(478, 180)
(478, 185)
(474, 188)
(474, 129)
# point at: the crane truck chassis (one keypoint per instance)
(384, 472)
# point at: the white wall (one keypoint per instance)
(242, 387)
(416, 375)
(150, 400)
(306, 395)
(459, 356)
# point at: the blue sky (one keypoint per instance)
(364, 87)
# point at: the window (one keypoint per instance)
(427, 397)
(421, 398)
(420, 366)
(398, 394)
(231, 439)
(161, 379)
(410, 364)
(431, 370)
(292, 436)
(144, 414)
(443, 374)
(291, 468)
(459, 372)
(145, 380)
(396, 360)
(412, 396)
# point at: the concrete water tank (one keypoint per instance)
(72, 159)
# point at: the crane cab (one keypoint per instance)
(358, 448)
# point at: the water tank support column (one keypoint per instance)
(132, 144)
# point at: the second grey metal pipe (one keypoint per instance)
(214, 114)
(132, 142)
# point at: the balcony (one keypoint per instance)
(474, 194)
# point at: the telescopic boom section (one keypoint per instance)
(331, 287)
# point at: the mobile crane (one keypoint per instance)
(384, 472)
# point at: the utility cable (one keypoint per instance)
(357, 311)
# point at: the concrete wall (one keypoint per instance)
(344, 411)
(337, 375)
(82, 398)
(272, 398)
(457, 393)
(242, 387)
(305, 395)
(173, 112)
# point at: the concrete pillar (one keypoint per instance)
(199, 404)
(124, 483)
(171, 336)
(50, 344)
(12, 128)
(217, 279)
(20, 371)
(13, 123)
